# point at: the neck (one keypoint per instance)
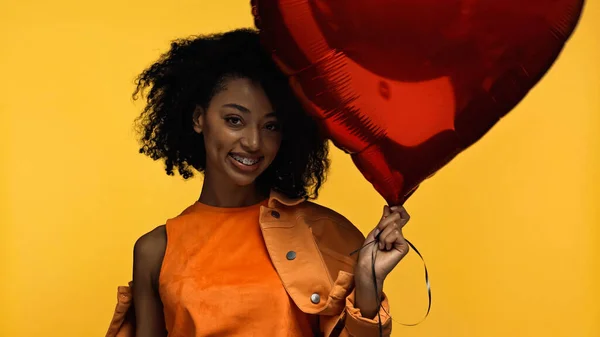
(218, 194)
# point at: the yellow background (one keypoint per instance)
(510, 229)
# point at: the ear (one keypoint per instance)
(198, 119)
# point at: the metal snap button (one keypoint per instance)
(315, 298)
(290, 255)
(275, 214)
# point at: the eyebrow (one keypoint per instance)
(237, 107)
(243, 109)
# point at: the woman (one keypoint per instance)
(252, 257)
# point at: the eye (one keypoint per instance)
(273, 126)
(233, 120)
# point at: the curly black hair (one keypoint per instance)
(190, 74)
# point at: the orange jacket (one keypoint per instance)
(322, 241)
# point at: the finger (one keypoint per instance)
(401, 246)
(386, 211)
(385, 215)
(402, 210)
(389, 228)
(384, 222)
(390, 236)
(393, 239)
(403, 214)
(384, 226)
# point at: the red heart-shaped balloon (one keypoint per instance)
(406, 85)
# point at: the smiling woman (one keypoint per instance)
(76, 195)
(219, 105)
(224, 90)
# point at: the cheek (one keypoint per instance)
(213, 145)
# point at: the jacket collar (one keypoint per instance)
(278, 197)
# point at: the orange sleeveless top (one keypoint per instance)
(217, 278)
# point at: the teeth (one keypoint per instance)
(245, 161)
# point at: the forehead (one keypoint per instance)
(244, 92)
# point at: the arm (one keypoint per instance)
(389, 248)
(148, 254)
(364, 293)
(353, 321)
(362, 306)
(362, 314)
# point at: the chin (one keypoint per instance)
(242, 180)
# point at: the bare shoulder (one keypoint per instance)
(149, 249)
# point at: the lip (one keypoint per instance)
(242, 167)
(255, 157)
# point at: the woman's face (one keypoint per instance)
(241, 133)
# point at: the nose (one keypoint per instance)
(251, 140)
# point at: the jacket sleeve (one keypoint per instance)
(122, 323)
(356, 325)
